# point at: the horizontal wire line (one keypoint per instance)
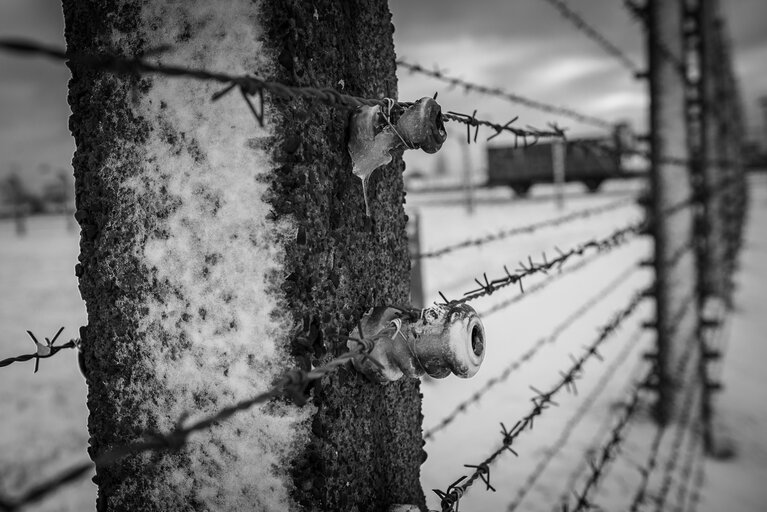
(542, 285)
(506, 95)
(529, 228)
(292, 383)
(530, 353)
(249, 85)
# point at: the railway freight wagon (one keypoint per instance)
(520, 168)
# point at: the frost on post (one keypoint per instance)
(373, 135)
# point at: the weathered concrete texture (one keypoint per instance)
(366, 445)
(675, 278)
(181, 262)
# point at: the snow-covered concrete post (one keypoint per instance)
(210, 244)
(675, 279)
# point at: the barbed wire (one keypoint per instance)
(528, 229)
(251, 86)
(577, 20)
(292, 384)
(596, 442)
(573, 422)
(683, 427)
(44, 350)
(650, 465)
(610, 449)
(616, 238)
(541, 401)
(640, 14)
(530, 353)
(498, 92)
(694, 452)
(542, 285)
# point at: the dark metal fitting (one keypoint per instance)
(437, 341)
(422, 126)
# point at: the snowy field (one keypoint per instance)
(44, 414)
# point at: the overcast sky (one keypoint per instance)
(523, 46)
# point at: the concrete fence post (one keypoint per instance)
(209, 245)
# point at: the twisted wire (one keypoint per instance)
(694, 452)
(506, 95)
(530, 353)
(577, 20)
(541, 401)
(528, 229)
(573, 422)
(619, 237)
(251, 86)
(292, 384)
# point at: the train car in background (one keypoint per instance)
(590, 161)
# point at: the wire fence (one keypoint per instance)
(685, 470)
(528, 229)
(450, 498)
(531, 352)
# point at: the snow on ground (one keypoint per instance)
(741, 484)
(44, 415)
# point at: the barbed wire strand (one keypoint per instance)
(651, 463)
(293, 384)
(577, 20)
(617, 238)
(541, 401)
(511, 97)
(44, 351)
(531, 352)
(683, 428)
(596, 441)
(542, 285)
(698, 481)
(528, 228)
(694, 452)
(575, 420)
(640, 14)
(250, 86)
(599, 465)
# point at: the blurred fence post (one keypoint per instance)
(671, 221)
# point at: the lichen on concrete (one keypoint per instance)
(366, 446)
(179, 260)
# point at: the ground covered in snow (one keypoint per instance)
(43, 424)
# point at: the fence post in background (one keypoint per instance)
(558, 155)
(218, 253)
(711, 228)
(670, 218)
(417, 298)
